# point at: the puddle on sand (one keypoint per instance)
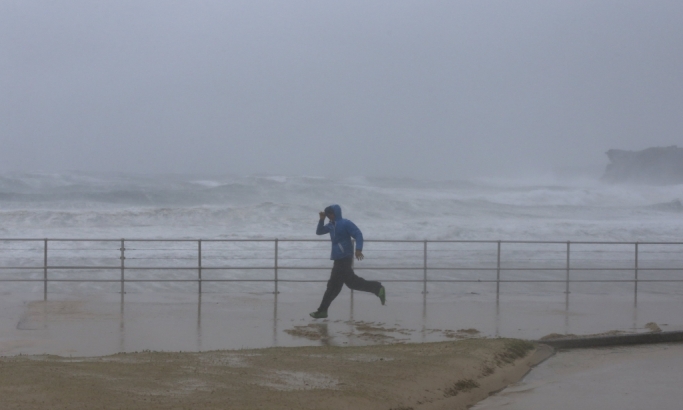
(285, 380)
(372, 332)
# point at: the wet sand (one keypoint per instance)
(446, 375)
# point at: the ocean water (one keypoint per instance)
(80, 205)
(71, 205)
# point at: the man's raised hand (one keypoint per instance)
(322, 216)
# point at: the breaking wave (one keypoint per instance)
(90, 205)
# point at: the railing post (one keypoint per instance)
(353, 253)
(123, 257)
(275, 267)
(567, 279)
(353, 264)
(498, 272)
(199, 264)
(424, 266)
(635, 291)
(45, 269)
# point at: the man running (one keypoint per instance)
(341, 231)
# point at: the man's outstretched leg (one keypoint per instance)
(355, 282)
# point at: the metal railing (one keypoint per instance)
(438, 261)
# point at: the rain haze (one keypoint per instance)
(428, 89)
(157, 152)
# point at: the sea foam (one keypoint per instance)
(89, 205)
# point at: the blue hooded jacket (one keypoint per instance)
(341, 231)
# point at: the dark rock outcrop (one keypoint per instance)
(657, 166)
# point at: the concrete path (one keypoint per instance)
(624, 378)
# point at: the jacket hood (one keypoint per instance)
(336, 209)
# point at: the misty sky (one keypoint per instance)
(425, 89)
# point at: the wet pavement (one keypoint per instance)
(105, 323)
(621, 378)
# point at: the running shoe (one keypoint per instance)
(319, 315)
(382, 295)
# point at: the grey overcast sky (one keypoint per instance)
(426, 89)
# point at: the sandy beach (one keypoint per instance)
(445, 375)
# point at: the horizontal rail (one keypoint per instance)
(326, 240)
(383, 280)
(395, 268)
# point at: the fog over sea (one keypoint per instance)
(86, 205)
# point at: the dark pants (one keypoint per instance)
(342, 273)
